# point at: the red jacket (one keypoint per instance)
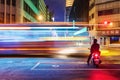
(95, 47)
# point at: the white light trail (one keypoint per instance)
(80, 31)
(28, 28)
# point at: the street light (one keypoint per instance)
(40, 17)
(53, 19)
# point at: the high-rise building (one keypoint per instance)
(19, 11)
(79, 11)
(105, 14)
(69, 4)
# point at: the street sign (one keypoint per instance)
(109, 32)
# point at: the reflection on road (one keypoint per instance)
(55, 69)
(101, 75)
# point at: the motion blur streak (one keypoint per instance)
(29, 49)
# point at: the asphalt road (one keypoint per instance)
(55, 69)
(65, 61)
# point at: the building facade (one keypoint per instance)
(19, 11)
(105, 17)
(79, 11)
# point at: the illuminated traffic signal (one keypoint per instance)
(105, 22)
(108, 23)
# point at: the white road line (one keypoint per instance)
(33, 68)
(79, 69)
(59, 63)
(63, 62)
(38, 63)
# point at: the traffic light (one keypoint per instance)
(105, 22)
(108, 23)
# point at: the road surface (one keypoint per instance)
(55, 69)
(65, 62)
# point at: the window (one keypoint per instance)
(29, 10)
(8, 2)
(89, 17)
(8, 18)
(26, 20)
(13, 18)
(92, 16)
(91, 6)
(13, 2)
(2, 1)
(36, 3)
(1, 17)
(105, 12)
(92, 27)
(109, 12)
(114, 39)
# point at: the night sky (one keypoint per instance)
(58, 7)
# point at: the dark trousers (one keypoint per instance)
(89, 58)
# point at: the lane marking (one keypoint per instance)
(63, 62)
(56, 66)
(37, 64)
(55, 63)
